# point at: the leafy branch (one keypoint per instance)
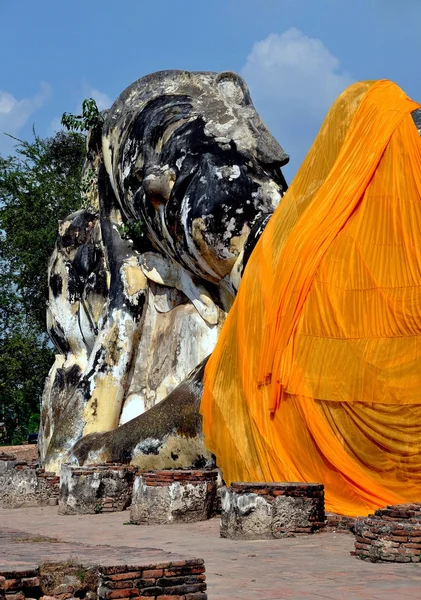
(89, 120)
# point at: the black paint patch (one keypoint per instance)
(56, 284)
(73, 376)
(84, 260)
(80, 229)
(253, 237)
(416, 115)
(200, 462)
(136, 310)
(84, 385)
(60, 380)
(59, 338)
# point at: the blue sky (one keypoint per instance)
(296, 55)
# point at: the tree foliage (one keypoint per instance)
(39, 185)
(89, 120)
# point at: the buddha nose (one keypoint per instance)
(268, 151)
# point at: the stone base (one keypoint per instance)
(256, 511)
(174, 496)
(24, 484)
(392, 534)
(95, 489)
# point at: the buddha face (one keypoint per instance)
(189, 157)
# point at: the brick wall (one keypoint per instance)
(392, 534)
(175, 580)
(181, 580)
(18, 585)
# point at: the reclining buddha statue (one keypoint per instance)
(183, 177)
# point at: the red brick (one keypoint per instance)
(153, 573)
(184, 589)
(120, 585)
(184, 571)
(10, 584)
(363, 540)
(359, 546)
(126, 593)
(153, 591)
(400, 532)
(129, 575)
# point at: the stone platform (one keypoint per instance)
(94, 489)
(176, 496)
(392, 534)
(253, 511)
(23, 483)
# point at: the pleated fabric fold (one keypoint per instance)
(317, 372)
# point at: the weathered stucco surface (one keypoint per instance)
(184, 176)
(177, 502)
(91, 491)
(23, 487)
(271, 513)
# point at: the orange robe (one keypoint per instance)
(317, 372)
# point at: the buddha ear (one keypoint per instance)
(94, 137)
(233, 87)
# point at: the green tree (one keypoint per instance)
(90, 119)
(39, 185)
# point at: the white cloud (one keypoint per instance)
(293, 80)
(102, 100)
(15, 113)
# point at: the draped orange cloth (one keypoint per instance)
(317, 372)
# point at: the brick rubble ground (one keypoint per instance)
(317, 566)
(26, 452)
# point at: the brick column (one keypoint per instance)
(391, 534)
(271, 510)
(174, 496)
